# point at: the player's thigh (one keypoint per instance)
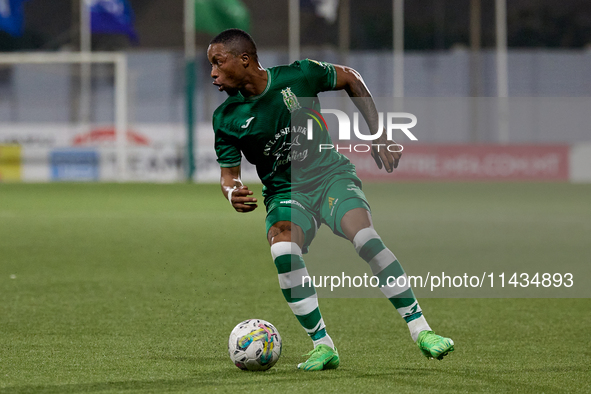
(345, 208)
(287, 220)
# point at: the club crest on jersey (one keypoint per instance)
(321, 64)
(290, 100)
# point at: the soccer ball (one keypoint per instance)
(254, 345)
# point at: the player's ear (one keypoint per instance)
(245, 59)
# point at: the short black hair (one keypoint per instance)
(237, 42)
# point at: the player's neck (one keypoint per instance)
(256, 83)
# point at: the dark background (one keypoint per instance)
(429, 25)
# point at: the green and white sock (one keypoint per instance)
(299, 293)
(384, 264)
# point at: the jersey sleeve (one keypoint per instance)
(322, 76)
(228, 154)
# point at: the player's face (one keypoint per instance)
(227, 70)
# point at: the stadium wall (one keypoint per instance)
(33, 153)
(560, 78)
(41, 139)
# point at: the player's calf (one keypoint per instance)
(386, 267)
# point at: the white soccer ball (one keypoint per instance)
(254, 345)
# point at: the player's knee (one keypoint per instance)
(285, 231)
(280, 232)
(355, 220)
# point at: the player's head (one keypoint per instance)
(232, 54)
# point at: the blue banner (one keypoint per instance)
(74, 165)
(112, 17)
(11, 17)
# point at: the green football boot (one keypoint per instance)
(322, 357)
(433, 345)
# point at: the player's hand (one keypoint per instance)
(381, 154)
(241, 200)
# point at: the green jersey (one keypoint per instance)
(270, 130)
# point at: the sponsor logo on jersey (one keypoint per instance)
(322, 64)
(285, 154)
(282, 149)
(290, 100)
(281, 146)
(295, 140)
(332, 202)
(244, 126)
(294, 202)
(282, 133)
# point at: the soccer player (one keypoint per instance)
(303, 187)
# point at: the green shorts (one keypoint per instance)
(336, 196)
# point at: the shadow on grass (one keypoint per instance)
(500, 380)
(424, 379)
(235, 379)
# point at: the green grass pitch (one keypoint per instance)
(134, 288)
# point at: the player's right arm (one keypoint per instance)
(351, 81)
(229, 158)
(235, 191)
(323, 76)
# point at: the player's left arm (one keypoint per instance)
(351, 81)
